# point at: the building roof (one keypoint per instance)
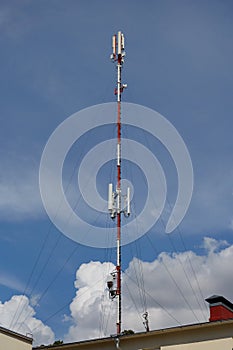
(16, 335)
(202, 331)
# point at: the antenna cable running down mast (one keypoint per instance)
(115, 198)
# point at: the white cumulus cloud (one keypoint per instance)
(18, 315)
(90, 302)
(172, 288)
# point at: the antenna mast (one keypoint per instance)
(115, 198)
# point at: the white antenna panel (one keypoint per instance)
(110, 206)
(122, 41)
(114, 44)
(119, 43)
(128, 201)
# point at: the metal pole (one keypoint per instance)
(118, 267)
(114, 201)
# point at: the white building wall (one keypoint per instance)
(218, 344)
(9, 343)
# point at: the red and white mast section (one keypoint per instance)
(115, 197)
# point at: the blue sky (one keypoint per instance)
(54, 62)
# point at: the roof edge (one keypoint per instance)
(16, 335)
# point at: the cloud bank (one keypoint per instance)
(172, 288)
(18, 310)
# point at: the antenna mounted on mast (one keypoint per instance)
(115, 197)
